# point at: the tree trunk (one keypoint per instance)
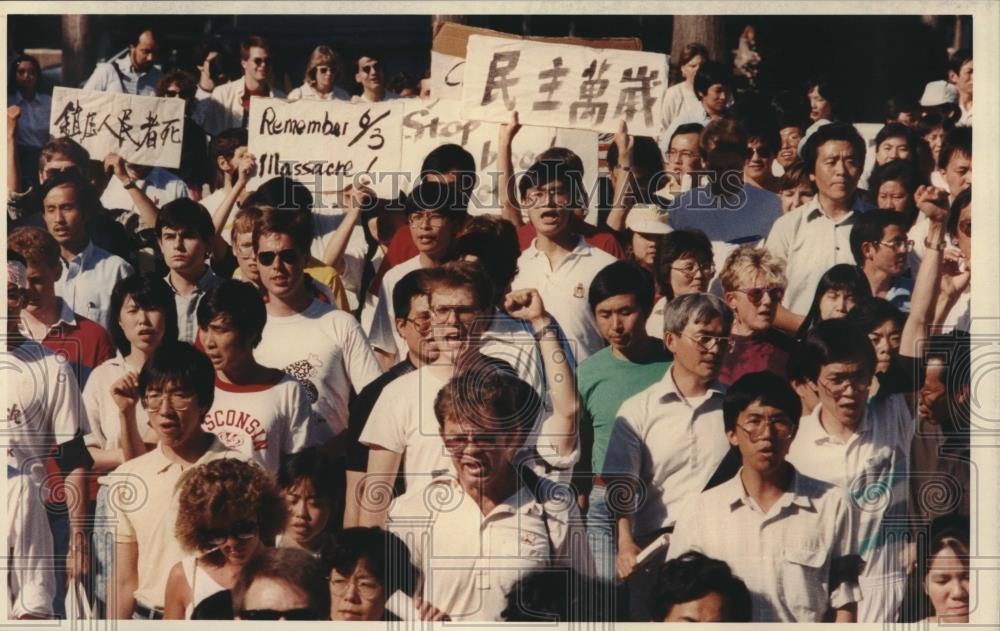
(704, 29)
(78, 52)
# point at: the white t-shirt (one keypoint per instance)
(326, 351)
(382, 333)
(264, 421)
(564, 291)
(102, 412)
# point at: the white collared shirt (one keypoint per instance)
(223, 108)
(102, 411)
(118, 76)
(470, 561)
(872, 468)
(66, 316)
(33, 123)
(160, 186)
(810, 243)
(670, 445)
(87, 280)
(306, 91)
(783, 555)
(564, 291)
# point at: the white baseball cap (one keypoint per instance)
(938, 93)
(648, 219)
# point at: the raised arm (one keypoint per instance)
(13, 171)
(114, 163)
(622, 179)
(355, 200)
(924, 296)
(510, 206)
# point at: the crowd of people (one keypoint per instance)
(741, 395)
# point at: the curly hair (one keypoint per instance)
(226, 491)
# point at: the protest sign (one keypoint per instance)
(429, 124)
(556, 85)
(142, 129)
(326, 144)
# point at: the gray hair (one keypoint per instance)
(697, 307)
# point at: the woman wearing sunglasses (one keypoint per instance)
(322, 72)
(229, 511)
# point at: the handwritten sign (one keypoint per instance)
(558, 85)
(446, 76)
(429, 124)
(142, 129)
(326, 144)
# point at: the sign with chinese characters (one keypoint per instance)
(557, 85)
(142, 129)
(326, 144)
(446, 76)
(430, 124)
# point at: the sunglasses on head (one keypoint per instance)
(305, 613)
(288, 257)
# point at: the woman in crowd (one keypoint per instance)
(367, 565)
(312, 495)
(892, 186)
(229, 511)
(34, 110)
(322, 73)
(680, 96)
(939, 580)
(683, 266)
(839, 289)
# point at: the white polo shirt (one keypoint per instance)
(382, 334)
(810, 243)
(783, 555)
(87, 280)
(670, 444)
(470, 561)
(872, 468)
(325, 350)
(564, 291)
(102, 411)
(264, 421)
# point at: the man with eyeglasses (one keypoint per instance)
(132, 74)
(323, 347)
(880, 248)
(228, 106)
(786, 535)
(282, 584)
(435, 212)
(668, 440)
(863, 446)
(683, 157)
(176, 387)
(413, 323)
(753, 283)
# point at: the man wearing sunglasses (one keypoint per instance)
(321, 346)
(371, 77)
(788, 536)
(753, 283)
(282, 584)
(228, 106)
(863, 446)
(176, 386)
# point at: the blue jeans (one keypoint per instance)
(601, 535)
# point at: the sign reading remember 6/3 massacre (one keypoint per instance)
(142, 129)
(557, 85)
(325, 144)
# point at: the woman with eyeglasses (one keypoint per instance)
(367, 565)
(229, 510)
(683, 266)
(144, 317)
(322, 72)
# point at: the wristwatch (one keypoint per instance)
(129, 184)
(540, 333)
(939, 247)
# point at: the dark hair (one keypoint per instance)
(827, 133)
(953, 350)
(675, 245)
(959, 59)
(182, 365)
(903, 171)
(795, 174)
(316, 466)
(556, 165)
(224, 145)
(184, 80)
(760, 126)
(933, 120)
(897, 105)
(87, 201)
(961, 200)
(386, 555)
(242, 306)
(67, 147)
(622, 277)
(288, 565)
(646, 156)
(295, 224)
(284, 193)
(870, 227)
(185, 214)
(687, 128)
(712, 73)
(137, 34)
(766, 387)
(451, 158)
(253, 41)
(487, 394)
(789, 110)
(22, 57)
(446, 199)
(409, 286)
(463, 274)
(150, 292)
(833, 91)
(958, 139)
(493, 241)
(840, 277)
(558, 595)
(868, 314)
(693, 575)
(835, 341)
(897, 130)
(947, 532)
